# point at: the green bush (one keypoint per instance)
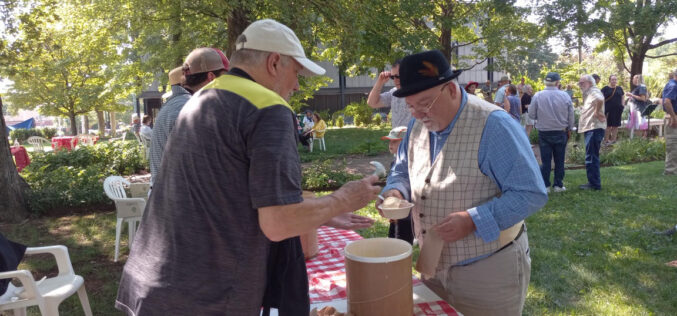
(23, 134)
(48, 132)
(325, 175)
(624, 152)
(376, 119)
(339, 122)
(632, 151)
(65, 186)
(74, 178)
(360, 111)
(533, 136)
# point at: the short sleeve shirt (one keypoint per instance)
(199, 249)
(613, 97)
(670, 92)
(639, 90)
(526, 100)
(400, 114)
(500, 95)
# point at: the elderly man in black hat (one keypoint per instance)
(468, 168)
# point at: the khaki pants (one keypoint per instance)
(670, 149)
(496, 285)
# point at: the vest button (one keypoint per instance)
(427, 180)
(423, 231)
(420, 215)
(422, 197)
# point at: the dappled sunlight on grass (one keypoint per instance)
(593, 252)
(596, 252)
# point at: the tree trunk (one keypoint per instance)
(101, 122)
(445, 31)
(445, 43)
(113, 124)
(13, 188)
(237, 21)
(85, 124)
(636, 67)
(74, 125)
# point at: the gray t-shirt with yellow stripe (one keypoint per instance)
(199, 249)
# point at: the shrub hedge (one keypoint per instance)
(75, 178)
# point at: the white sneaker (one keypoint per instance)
(559, 189)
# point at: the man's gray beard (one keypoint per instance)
(586, 92)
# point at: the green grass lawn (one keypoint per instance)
(593, 253)
(348, 140)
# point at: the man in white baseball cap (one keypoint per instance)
(271, 36)
(220, 230)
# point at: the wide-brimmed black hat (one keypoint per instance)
(423, 71)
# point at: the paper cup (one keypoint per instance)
(378, 277)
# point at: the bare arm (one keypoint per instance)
(667, 103)
(641, 97)
(506, 103)
(374, 99)
(284, 221)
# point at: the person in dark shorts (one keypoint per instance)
(613, 109)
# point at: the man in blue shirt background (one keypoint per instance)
(670, 107)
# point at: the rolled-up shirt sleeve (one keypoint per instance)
(506, 157)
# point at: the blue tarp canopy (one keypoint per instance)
(29, 123)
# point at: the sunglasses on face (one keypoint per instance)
(393, 77)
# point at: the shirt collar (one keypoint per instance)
(240, 73)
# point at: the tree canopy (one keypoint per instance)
(631, 29)
(97, 52)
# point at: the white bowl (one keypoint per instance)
(397, 212)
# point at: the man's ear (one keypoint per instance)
(452, 88)
(210, 76)
(272, 63)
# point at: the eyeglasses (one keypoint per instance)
(393, 77)
(427, 108)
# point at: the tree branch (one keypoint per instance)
(663, 43)
(475, 64)
(468, 43)
(659, 56)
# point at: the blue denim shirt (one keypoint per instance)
(670, 92)
(505, 156)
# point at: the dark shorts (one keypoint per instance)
(613, 116)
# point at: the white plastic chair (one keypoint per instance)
(128, 209)
(39, 143)
(47, 293)
(319, 139)
(85, 140)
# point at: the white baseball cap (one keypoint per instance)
(396, 133)
(271, 36)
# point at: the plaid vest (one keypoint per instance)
(453, 183)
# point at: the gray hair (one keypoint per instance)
(253, 57)
(551, 83)
(247, 56)
(589, 78)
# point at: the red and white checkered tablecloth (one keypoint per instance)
(327, 276)
(434, 308)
